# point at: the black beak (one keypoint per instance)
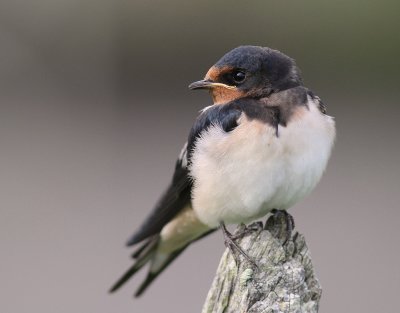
(201, 84)
(207, 84)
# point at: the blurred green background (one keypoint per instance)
(94, 108)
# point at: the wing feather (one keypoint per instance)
(174, 199)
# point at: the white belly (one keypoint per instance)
(243, 174)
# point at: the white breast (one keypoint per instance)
(243, 174)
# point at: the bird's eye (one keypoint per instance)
(238, 76)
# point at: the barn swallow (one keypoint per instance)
(262, 145)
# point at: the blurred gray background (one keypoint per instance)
(94, 108)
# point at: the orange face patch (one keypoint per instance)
(221, 94)
(214, 73)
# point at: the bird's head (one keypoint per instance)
(249, 71)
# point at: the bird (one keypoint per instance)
(261, 146)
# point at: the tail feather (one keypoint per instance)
(140, 251)
(145, 253)
(128, 274)
(149, 252)
(153, 275)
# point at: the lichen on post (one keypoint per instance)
(283, 280)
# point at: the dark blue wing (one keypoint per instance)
(174, 199)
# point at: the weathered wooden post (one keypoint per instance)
(283, 282)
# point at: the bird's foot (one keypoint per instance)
(288, 220)
(233, 247)
(244, 230)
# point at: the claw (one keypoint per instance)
(235, 249)
(289, 220)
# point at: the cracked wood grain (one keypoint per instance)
(284, 281)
